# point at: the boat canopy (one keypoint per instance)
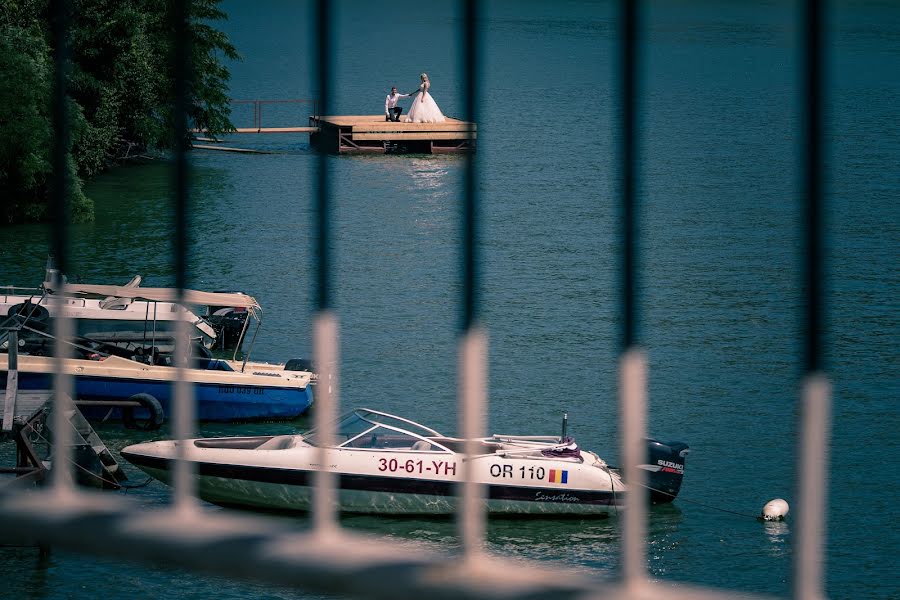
(235, 299)
(366, 428)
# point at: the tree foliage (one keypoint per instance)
(121, 88)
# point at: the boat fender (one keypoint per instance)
(775, 510)
(154, 409)
(30, 312)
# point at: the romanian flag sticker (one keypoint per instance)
(559, 476)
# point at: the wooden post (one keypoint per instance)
(12, 381)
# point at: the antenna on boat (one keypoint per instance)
(565, 425)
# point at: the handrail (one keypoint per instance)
(259, 104)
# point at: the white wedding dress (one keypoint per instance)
(424, 109)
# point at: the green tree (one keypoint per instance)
(26, 139)
(25, 131)
(121, 90)
(211, 106)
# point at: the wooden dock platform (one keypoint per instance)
(371, 133)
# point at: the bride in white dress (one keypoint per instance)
(424, 109)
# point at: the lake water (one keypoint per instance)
(720, 270)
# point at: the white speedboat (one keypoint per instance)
(387, 464)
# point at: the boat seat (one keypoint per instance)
(278, 442)
(115, 303)
(211, 364)
(421, 445)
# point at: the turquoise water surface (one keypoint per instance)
(720, 299)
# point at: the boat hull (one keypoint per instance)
(214, 402)
(220, 396)
(286, 489)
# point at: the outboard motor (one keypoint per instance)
(228, 323)
(665, 469)
(299, 364)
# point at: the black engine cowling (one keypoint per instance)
(299, 364)
(665, 469)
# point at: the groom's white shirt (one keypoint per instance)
(390, 100)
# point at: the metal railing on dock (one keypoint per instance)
(258, 106)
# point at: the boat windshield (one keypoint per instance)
(364, 428)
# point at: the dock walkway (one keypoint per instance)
(371, 133)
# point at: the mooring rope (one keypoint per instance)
(137, 485)
(697, 502)
(613, 486)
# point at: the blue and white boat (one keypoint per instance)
(143, 393)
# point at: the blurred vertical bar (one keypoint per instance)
(628, 156)
(325, 324)
(470, 199)
(60, 13)
(322, 192)
(184, 413)
(473, 340)
(633, 363)
(816, 391)
(633, 408)
(813, 91)
(812, 479)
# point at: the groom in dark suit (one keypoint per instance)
(391, 110)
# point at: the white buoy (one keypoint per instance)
(775, 510)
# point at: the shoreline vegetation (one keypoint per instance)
(120, 93)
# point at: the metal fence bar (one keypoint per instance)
(63, 387)
(325, 327)
(815, 401)
(184, 485)
(472, 404)
(633, 362)
(322, 191)
(472, 366)
(633, 419)
(813, 92)
(252, 547)
(60, 11)
(628, 150)
(812, 494)
(470, 199)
